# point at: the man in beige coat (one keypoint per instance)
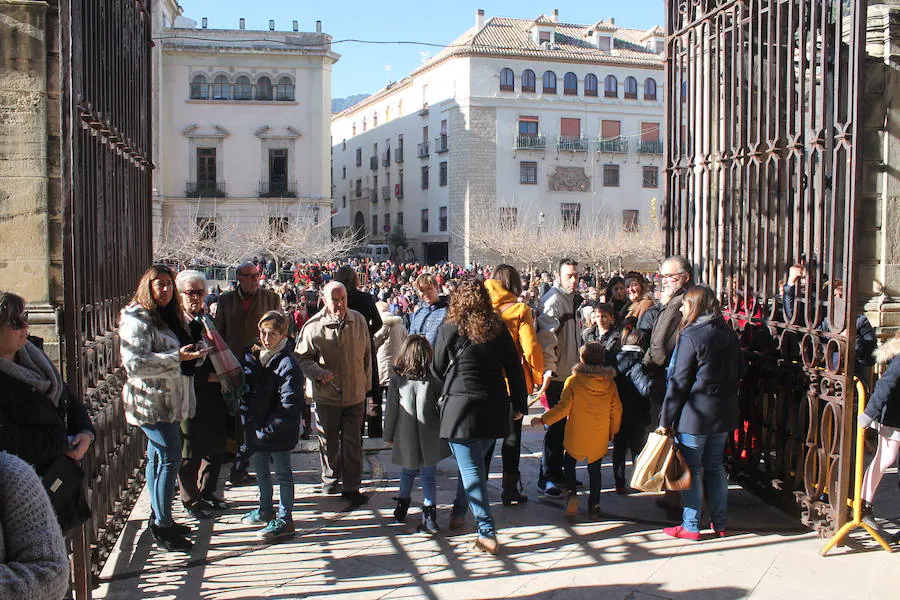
(335, 353)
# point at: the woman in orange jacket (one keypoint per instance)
(590, 403)
(504, 288)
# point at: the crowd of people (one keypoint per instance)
(439, 361)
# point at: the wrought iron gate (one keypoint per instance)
(107, 242)
(762, 106)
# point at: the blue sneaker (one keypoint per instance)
(255, 517)
(275, 529)
(549, 489)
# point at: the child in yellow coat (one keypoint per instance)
(591, 402)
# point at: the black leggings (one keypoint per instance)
(511, 449)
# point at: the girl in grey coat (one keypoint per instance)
(412, 427)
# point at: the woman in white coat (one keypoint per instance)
(159, 355)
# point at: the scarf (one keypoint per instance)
(32, 367)
(266, 356)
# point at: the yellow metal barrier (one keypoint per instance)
(856, 521)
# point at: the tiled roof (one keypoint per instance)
(503, 36)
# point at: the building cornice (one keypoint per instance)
(194, 131)
(265, 133)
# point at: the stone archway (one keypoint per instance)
(359, 223)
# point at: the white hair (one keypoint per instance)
(326, 291)
(188, 277)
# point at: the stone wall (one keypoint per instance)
(473, 173)
(30, 161)
(878, 217)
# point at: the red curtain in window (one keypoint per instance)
(570, 127)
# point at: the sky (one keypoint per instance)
(365, 68)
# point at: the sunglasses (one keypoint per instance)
(194, 293)
(18, 323)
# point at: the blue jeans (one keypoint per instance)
(163, 460)
(429, 484)
(470, 458)
(285, 476)
(705, 455)
(460, 503)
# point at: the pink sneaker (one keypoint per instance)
(682, 533)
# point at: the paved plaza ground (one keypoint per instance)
(363, 554)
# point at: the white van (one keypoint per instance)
(376, 252)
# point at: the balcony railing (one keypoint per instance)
(385, 192)
(398, 155)
(398, 191)
(422, 150)
(650, 147)
(373, 195)
(373, 163)
(616, 145)
(205, 189)
(572, 144)
(386, 159)
(277, 189)
(530, 142)
(441, 144)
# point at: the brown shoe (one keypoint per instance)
(572, 506)
(457, 522)
(487, 544)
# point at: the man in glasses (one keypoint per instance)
(237, 316)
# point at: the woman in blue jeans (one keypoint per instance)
(159, 356)
(475, 356)
(701, 405)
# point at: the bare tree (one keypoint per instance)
(193, 236)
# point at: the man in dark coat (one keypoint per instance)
(364, 304)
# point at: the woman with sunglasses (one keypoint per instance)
(40, 420)
(159, 356)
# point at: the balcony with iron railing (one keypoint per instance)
(530, 142)
(650, 147)
(373, 163)
(572, 144)
(398, 191)
(422, 150)
(386, 159)
(385, 192)
(398, 155)
(205, 189)
(277, 189)
(441, 144)
(616, 145)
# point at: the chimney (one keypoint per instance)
(318, 26)
(612, 20)
(242, 23)
(203, 23)
(556, 15)
(296, 25)
(271, 25)
(479, 19)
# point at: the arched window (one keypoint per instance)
(199, 88)
(528, 80)
(507, 80)
(284, 91)
(590, 85)
(263, 88)
(650, 89)
(570, 84)
(611, 87)
(365, 127)
(243, 90)
(221, 89)
(630, 88)
(354, 129)
(375, 120)
(549, 82)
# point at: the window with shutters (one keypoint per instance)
(425, 177)
(590, 85)
(442, 218)
(610, 175)
(549, 81)
(507, 80)
(424, 220)
(528, 173)
(528, 80)
(651, 177)
(569, 127)
(442, 174)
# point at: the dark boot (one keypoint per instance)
(401, 510)
(868, 515)
(511, 492)
(429, 520)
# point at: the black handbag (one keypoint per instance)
(64, 482)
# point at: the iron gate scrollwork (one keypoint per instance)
(107, 243)
(761, 159)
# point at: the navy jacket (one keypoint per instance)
(270, 411)
(634, 386)
(702, 389)
(884, 405)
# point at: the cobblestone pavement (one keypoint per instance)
(363, 554)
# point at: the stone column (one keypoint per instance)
(878, 217)
(30, 184)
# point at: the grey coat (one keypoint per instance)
(412, 423)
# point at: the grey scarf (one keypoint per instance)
(32, 367)
(266, 356)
